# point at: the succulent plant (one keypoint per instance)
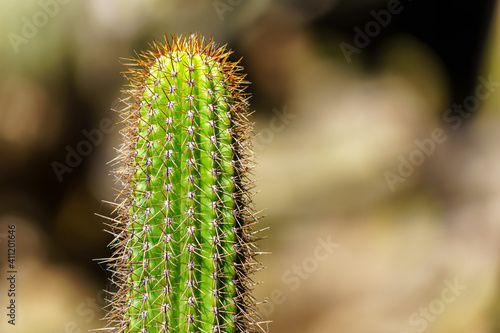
(184, 245)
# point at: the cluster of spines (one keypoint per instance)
(183, 238)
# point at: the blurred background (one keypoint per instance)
(379, 166)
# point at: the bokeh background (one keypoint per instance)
(419, 253)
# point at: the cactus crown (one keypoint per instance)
(183, 241)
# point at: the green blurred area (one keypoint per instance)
(330, 131)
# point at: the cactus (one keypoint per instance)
(183, 243)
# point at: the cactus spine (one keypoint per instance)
(184, 247)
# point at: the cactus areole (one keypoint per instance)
(183, 240)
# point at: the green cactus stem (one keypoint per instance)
(184, 244)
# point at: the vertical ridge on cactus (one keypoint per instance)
(184, 249)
